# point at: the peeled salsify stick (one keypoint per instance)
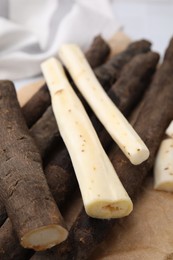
(102, 192)
(96, 55)
(163, 168)
(110, 116)
(24, 191)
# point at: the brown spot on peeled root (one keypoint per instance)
(111, 208)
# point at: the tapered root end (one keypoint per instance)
(45, 237)
(107, 210)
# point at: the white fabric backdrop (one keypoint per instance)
(31, 31)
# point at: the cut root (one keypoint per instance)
(44, 237)
(106, 209)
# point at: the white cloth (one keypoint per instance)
(31, 31)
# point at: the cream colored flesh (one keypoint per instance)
(163, 169)
(102, 192)
(44, 237)
(169, 130)
(110, 116)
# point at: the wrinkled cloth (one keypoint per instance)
(32, 31)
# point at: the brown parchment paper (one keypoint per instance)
(147, 234)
